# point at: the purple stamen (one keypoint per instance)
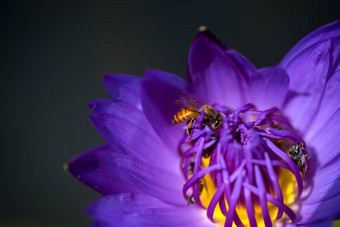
(214, 201)
(262, 196)
(197, 167)
(275, 182)
(264, 114)
(233, 200)
(274, 201)
(245, 162)
(249, 206)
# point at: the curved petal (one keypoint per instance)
(326, 141)
(96, 169)
(330, 102)
(268, 88)
(167, 78)
(243, 65)
(158, 102)
(124, 87)
(323, 223)
(215, 77)
(311, 65)
(121, 109)
(308, 76)
(325, 210)
(328, 32)
(322, 193)
(324, 185)
(136, 139)
(161, 184)
(137, 209)
(111, 208)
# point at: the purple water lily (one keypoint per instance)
(268, 152)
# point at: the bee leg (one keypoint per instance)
(189, 127)
(191, 200)
(189, 131)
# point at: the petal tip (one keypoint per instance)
(209, 37)
(69, 172)
(66, 169)
(202, 28)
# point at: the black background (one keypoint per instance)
(53, 57)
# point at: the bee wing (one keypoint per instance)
(189, 103)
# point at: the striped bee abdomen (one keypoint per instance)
(184, 115)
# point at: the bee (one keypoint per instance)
(298, 156)
(192, 111)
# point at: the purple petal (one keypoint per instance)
(325, 210)
(158, 101)
(324, 185)
(326, 142)
(96, 169)
(137, 209)
(329, 104)
(311, 65)
(126, 128)
(121, 109)
(268, 88)
(167, 78)
(111, 208)
(176, 216)
(124, 87)
(324, 188)
(215, 77)
(323, 223)
(308, 75)
(328, 32)
(162, 184)
(243, 65)
(136, 139)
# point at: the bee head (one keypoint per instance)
(217, 122)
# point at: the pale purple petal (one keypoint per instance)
(136, 139)
(326, 142)
(167, 78)
(111, 208)
(323, 223)
(159, 183)
(126, 128)
(324, 185)
(268, 88)
(308, 76)
(325, 210)
(214, 75)
(311, 66)
(124, 87)
(158, 101)
(243, 65)
(121, 109)
(96, 169)
(330, 102)
(328, 32)
(137, 209)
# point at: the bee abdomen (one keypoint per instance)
(183, 115)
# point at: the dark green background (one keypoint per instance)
(53, 57)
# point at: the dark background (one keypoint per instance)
(53, 57)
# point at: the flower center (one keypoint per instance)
(244, 166)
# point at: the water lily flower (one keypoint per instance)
(261, 147)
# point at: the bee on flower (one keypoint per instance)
(230, 145)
